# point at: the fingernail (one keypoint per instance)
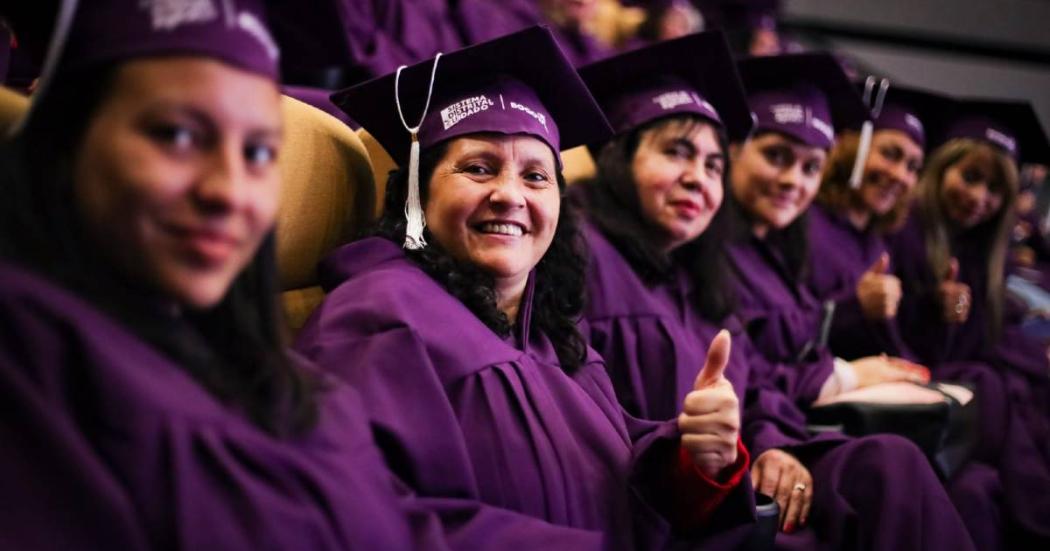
(789, 528)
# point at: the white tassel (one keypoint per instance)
(415, 222)
(867, 129)
(863, 148)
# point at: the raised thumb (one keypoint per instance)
(953, 270)
(882, 265)
(717, 359)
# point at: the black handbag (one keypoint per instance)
(946, 431)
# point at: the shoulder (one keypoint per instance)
(613, 287)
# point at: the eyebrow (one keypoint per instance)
(204, 118)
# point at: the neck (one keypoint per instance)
(760, 230)
(860, 218)
(508, 296)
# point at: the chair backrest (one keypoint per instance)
(328, 195)
(13, 107)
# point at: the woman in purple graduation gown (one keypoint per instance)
(951, 256)
(657, 293)
(148, 401)
(460, 332)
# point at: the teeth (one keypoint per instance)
(502, 229)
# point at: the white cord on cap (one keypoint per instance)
(415, 222)
(63, 22)
(867, 129)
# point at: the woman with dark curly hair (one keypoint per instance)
(456, 323)
(149, 401)
(657, 291)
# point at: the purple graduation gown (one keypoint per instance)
(1019, 361)
(491, 433)
(654, 341)
(109, 445)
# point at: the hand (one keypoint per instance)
(710, 418)
(873, 370)
(879, 292)
(782, 477)
(954, 296)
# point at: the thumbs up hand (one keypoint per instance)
(710, 418)
(954, 296)
(878, 291)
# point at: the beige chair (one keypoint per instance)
(13, 106)
(578, 164)
(328, 195)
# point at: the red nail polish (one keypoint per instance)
(789, 528)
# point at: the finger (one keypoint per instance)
(803, 516)
(717, 359)
(953, 270)
(784, 488)
(793, 515)
(770, 478)
(882, 265)
(710, 400)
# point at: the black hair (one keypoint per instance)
(235, 350)
(612, 204)
(559, 287)
(792, 242)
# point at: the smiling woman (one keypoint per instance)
(462, 337)
(149, 400)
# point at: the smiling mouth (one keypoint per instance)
(501, 228)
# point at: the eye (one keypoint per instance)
(477, 169)
(778, 156)
(260, 155)
(971, 175)
(893, 154)
(174, 136)
(914, 167)
(812, 168)
(679, 151)
(715, 166)
(537, 178)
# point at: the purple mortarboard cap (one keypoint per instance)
(805, 96)
(1013, 126)
(520, 83)
(740, 14)
(232, 31)
(920, 114)
(694, 75)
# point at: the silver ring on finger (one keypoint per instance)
(799, 487)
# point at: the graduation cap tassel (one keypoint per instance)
(867, 129)
(415, 222)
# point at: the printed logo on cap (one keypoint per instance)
(1000, 139)
(670, 100)
(171, 14)
(540, 117)
(913, 121)
(455, 113)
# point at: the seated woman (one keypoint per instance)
(657, 292)
(148, 401)
(463, 342)
(951, 256)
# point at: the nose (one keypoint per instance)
(899, 174)
(695, 178)
(221, 186)
(792, 176)
(507, 193)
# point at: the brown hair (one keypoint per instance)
(996, 232)
(836, 194)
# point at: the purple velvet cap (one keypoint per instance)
(231, 31)
(920, 114)
(694, 74)
(517, 84)
(1012, 126)
(805, 96)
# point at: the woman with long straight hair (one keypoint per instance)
(657, 292)
(951, 258)
(148, 399)
(456, 321)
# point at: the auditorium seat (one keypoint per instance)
(328, 195)
(12, 106)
